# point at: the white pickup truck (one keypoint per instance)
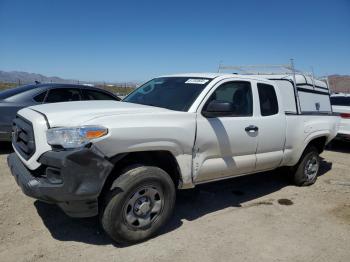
(341, 106)
(124, 160)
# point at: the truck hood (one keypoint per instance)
(76, 113)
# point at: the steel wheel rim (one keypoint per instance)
(143, 206)
(311, 168)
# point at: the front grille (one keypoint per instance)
(23, 137)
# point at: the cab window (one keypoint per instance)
(239, 93)
(268, 100)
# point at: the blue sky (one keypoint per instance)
(136, 40)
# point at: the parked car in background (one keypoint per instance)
(124, 160)
(341, 105)
(12, 100)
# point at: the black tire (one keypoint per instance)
(148, 185)
(301, 173)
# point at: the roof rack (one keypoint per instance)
(283, 69)
(258, 69)
(288, 69)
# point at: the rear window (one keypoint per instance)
(15, 91)
(40, 98)
(340, 101)
(63, 95)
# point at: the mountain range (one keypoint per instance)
(29, 78)
(24, 78)
(339, 83)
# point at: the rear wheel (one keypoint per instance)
(305, 172)
(139, 203)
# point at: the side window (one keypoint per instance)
(96, 95)
(63, 95)
(268, 100)
(239, 93)
(40, 98)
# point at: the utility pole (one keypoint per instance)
(313, 77)
(220, 64)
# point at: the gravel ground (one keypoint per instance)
(253, 218)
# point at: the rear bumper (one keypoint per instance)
(71, 179)
(343, 136)
(344, 127)
(344, 130)
(5, 133)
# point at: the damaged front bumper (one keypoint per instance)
(71, 179)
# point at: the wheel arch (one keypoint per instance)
(319, 142)
(160, 158)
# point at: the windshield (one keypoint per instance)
(14, 91)
(175, 93)
(340, 101)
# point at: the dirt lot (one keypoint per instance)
(255, 218)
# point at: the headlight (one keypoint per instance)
(72, 137)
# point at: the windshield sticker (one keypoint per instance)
(196, 81)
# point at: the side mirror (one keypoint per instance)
(218, 108)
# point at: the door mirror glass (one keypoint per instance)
(219, 108)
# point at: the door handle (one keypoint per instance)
(251, 128)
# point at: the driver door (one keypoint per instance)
(226, 145)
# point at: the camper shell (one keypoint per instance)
(312, 96)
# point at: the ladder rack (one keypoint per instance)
(284, 69)
(262, 69)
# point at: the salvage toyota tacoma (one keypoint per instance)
(124, 161)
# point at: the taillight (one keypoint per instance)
(345, 115)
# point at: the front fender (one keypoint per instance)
(171, 131)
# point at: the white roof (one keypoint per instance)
(214, 75)
(340, 95)
(203, 75)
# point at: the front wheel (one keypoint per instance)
(138, 204)
(307, 169)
